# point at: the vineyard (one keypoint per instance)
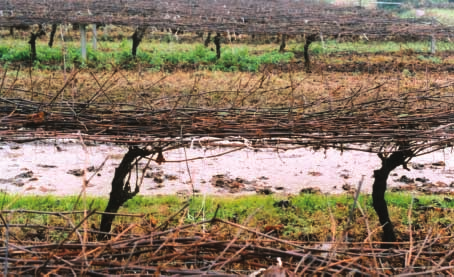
(275, 74)
(247, 17)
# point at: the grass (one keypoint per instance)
(157, 55)
(154, 55)
(364, 46)
(308, 216)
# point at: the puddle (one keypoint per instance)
(43, 168)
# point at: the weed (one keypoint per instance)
(157, 55)
(430, 59)
(307, 216)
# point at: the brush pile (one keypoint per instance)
(212, 247)
(365, 119)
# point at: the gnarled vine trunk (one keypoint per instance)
(283, 43)
(307, 62)
(217, 42)
(121, 188)
(137, 37)
(400, 157)
(207, 40)
(52, 35)
(32, 42)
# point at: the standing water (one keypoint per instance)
(45, 168)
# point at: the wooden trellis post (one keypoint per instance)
(94, 38)
(433, 47)
(323, 41)
(83, 42)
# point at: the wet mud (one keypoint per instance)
(43, 168)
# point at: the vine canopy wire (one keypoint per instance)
(242, 16)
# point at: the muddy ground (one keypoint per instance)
(57, 168)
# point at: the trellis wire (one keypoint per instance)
(247, 17)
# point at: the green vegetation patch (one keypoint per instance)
(365, 46)
(168, 56)
(154, 55)
(301, 217)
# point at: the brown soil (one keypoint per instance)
(353, 62)
(372, 63)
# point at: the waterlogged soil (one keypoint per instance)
(58, 169)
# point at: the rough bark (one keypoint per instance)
(217, 42)
(52, 35)
(207, 40)
(400, 157)
(307, 63)
(121, 188)
(283, 40)
(137, 38)
(32, 42)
